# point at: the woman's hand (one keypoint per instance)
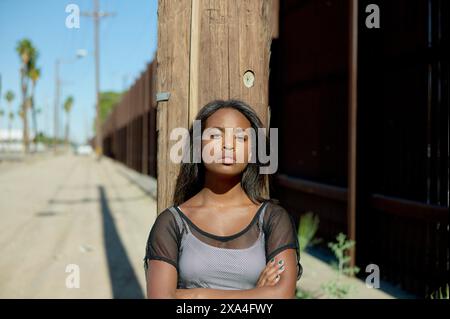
(271, 274)
(191, 293)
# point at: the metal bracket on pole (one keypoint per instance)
(162, 96)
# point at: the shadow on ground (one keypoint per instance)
(123, 279)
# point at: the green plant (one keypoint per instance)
(336, 288)
(303, 294)
(439, 295)
(307, 228)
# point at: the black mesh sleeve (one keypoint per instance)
(281, 234)
(164, 240)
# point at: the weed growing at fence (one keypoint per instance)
(336, 288)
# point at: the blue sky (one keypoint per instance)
(128, 42)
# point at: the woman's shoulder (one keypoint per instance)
(166, 212)
(166, 217)
(275, 210)
(275, 207)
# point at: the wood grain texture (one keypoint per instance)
(204, 49)
(174, 19)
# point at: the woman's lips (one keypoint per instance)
(227, 160)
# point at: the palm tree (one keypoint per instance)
(34, 74)
(28, 56)
(9, 97)
(20, 114)
(11, 120)
(68, 104)
(1, 115)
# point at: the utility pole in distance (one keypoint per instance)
(97, 15)
(56, 112)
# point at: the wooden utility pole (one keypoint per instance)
(352, 121)
(215, 49)
(97, 15)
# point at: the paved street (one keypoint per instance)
(69, 210)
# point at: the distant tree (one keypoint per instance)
(9, 97)
(108, 101)
(10, 121)
(34, 74)
(1, 115)
(28, 55)
(68, 104)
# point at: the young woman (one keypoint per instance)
(223, 238)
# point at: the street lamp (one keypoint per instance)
(81, 53)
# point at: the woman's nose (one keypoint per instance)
(228, 142)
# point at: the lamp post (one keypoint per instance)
(80, 54)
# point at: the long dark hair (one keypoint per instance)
(191, 177)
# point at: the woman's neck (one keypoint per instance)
(219, 190)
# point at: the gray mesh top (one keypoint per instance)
(205, 260)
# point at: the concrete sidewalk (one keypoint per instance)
(317, 272)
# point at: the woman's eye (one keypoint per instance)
(216, 136)
(240, 137)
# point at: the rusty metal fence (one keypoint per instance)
(402, 219)
(129, 132)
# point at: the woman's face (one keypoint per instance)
(225, 142)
